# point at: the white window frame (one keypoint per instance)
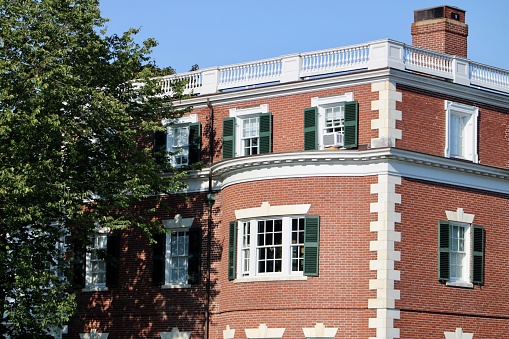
(240, 115)
(464, 277)
(171, 127)
(469, 132)
(251, 216)
(178, 224)
(322, 103)
(90, 285)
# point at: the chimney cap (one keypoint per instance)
(438, 12)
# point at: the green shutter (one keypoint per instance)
(194, 261)
(160, 147)
(478, 241)
(351, 123)
(311, 245)
(310, 128)
(78, 263)
(228, 138)
(232, 250)
(443, 251)
(112, 260)
(158, 259)
(194, 142)
(265, 133)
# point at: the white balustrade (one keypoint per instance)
(372, 55)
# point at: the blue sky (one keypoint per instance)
(224, 32)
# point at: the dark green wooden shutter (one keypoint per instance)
(158, 259)
(228, 138)
(478, 241)
(160, 147)
(351, 124)
(266, 133)
(112, 260)
(443, 251)
(232, 250)
(310, 128)
(194, 260)
(78, 267)
(311, 245)
(194, 142)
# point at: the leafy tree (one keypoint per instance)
(71, 125)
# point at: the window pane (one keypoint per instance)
(179, 254)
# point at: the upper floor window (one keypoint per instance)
(461, 250)
(176, 254)
(331, 122)
(96, 268)
(461, 135)
(247, 131)
(181, 141)
(273, 246)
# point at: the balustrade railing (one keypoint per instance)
(372, 55)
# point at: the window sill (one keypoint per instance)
(95, 289)
(170, 286)
(461, 284)
(273, 278)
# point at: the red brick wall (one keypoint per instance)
(288, 118)
(427, 306)
(424, 126)
(339, 295)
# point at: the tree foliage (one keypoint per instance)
(71, 125)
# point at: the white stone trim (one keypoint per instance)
(178, 222)
(387, 114)
(460, 216)
(94, 335)
(320, 331)
(228, 333)
(175, 334)
(186, 119)
(263, 331)
(331, 99)
(458, 334)
(251, 110)
(386, 274)
(470, 133)
(266, 210)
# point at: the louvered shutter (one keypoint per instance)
(232, 250)
(158, 259)
(310, 128)
(160, 147)
(112, 260)
(478, 241)
(443, 251)
(311, 245)
(194, 259)
(78, 264)
(351, 124)
(265, 133)
(194, 143)
(228, 138)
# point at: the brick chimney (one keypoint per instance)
(442, 29)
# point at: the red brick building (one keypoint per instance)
(357, 192)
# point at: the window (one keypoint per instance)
(182, 141)
(461, 136)
(176, 254)
(97, 268)
(274, 246)
(331, 122)
(461, 253)
(248, 131)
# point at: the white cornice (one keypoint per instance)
(361, 163)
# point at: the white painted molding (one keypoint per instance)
(228, 333)
(266, 210)
(320, 331)
(264, 332)
(458, 334)
(186, 119)
(175, 334)
(94, 335)
(238, 112)
(460, 216)
(178, 222)
(331, 99)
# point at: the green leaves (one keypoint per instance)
(75, 147)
